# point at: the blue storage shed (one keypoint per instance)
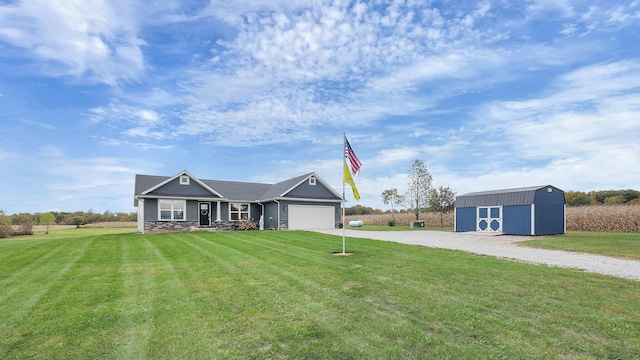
(536, 210)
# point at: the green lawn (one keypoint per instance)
(282, 294)
(624, 245)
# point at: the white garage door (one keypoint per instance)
(308, 217)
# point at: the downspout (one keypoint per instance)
(261, 222)
(278, 202)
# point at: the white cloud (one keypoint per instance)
(582, 134)
(90, 41)
(148, 115)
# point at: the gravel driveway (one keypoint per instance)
(504, 246)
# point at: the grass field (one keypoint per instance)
(284, 295)
(623, 245)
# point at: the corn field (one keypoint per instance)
(619, 218)
(604, 218)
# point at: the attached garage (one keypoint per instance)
(308, 217)
(536, 210)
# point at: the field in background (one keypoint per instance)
(283, 294)
(602, 218)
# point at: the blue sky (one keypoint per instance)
(489, 94)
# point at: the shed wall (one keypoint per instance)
(550, 219)
(465, 219)
(544, 197)
(516, 220)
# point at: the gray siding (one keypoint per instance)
(174, 189)
(224, 211)
(317, 191)
(271, 215)
(193, 213)
(254, 211)
(151, 210)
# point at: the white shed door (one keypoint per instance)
(308, 217)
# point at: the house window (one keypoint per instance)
(312, 181)
(238, 211)
(184, 180)
(172, 209)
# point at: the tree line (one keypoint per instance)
(73, 218)
(22, 223)
(602, 197)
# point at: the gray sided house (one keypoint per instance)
(183, 201)
(536, 210)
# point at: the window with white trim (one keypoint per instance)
(171, 209)
(238, 211)
(184, 180)
(312, 181)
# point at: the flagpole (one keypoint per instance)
(344, 163)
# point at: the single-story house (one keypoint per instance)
(536, 210)
(184, 201)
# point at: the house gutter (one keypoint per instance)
(278, 202)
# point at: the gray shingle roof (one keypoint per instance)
(278, 189)
(234, 190)
(231, 190)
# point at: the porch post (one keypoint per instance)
(140, 216)
(218, 218)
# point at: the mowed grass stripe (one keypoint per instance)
(179, 321)
(13, 269)
(266, 298)
(284, 295)
(328, 301)
(13, 247)
(136, 304)
(434, 281)
(19, 309)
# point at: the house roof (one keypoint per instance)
(234, 190)
(515, 196)
(282, 188)
(230, 190)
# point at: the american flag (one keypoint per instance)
(353, 159)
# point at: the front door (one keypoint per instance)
(205, 214)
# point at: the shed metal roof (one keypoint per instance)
(516, 196)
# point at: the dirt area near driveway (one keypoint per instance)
(502, 246)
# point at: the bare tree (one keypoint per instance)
(419, 188)
(442, 200)
(391, 196)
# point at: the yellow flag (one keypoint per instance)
(349, 180)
